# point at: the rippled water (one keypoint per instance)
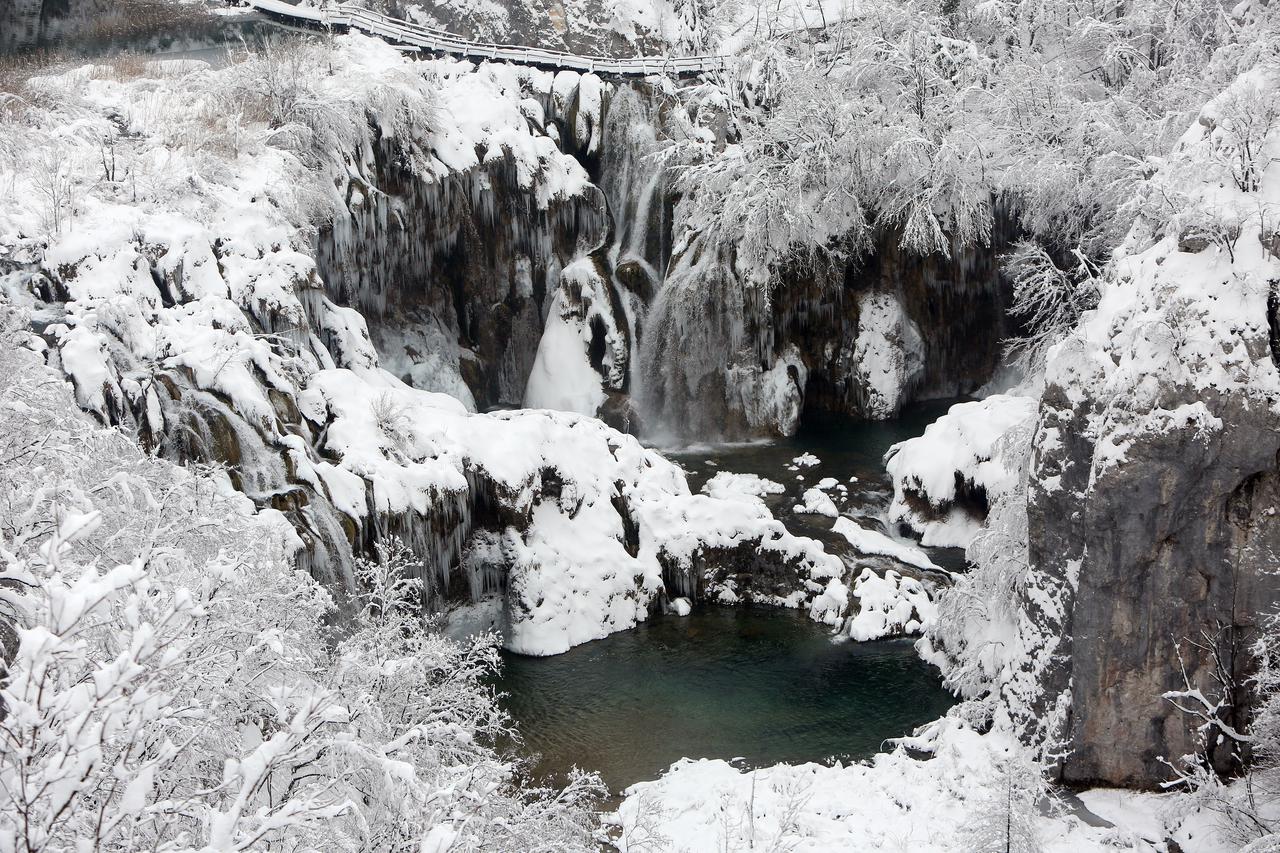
(763, 685)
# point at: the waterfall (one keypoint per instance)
(637, 188)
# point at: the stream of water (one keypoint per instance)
(755, 684)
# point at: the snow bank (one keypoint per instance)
(563, 376)
(874, 542)
(770, 400)
(944, 480)
(893, 802)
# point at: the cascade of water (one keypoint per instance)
(485, 245)
(636, 187)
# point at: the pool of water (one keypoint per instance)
(756, 684)
(761, 685)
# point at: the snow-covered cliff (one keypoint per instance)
(232, 262)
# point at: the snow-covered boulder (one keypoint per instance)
(731, 484)
(944, 480)
(874, 543)
(815, 501)
(875, 606)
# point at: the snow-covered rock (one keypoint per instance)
(888, 354)
(1154, 466)
(944, 480)
(728, 484)
(873, 542)
(882, 605)
(816, 502)
(580, 317)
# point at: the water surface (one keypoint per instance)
(849, 450)
(759, 684)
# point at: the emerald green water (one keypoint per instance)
(756, 684)
(762, 685)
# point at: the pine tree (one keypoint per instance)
(1004, 816)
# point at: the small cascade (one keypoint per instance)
(207, 429)
(436, 539)
(700, 323)
(635, 183)
(327, 557)
(637, 187)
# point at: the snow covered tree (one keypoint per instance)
(173, 685)
(1244, 120)
(1003, 817)
(1047, 300)
(1235, 772)
(693, 20)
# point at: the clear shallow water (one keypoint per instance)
(763, 685)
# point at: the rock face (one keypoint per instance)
(473, 252)
(1152, 499)
(1173, 547)
(897, 327)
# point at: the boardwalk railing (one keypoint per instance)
(342, 17)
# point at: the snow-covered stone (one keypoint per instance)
(816, 502)
(944, 480)
(888, 353)
(873, 542)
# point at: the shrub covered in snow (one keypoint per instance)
(170, 682)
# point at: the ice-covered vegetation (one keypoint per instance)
(170, 683)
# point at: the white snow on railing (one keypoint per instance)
(403, 32)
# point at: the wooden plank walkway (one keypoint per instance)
(343, 18)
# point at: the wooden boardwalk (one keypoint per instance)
(343, 18)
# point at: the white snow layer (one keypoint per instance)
(874, 542)
(562, 377)
(730, 484)
(892, 802)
